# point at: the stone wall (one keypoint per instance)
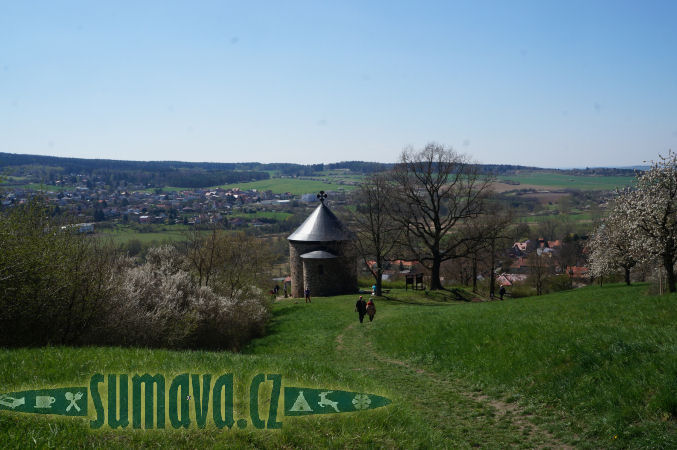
(339, 275)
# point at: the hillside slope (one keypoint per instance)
(592, 368)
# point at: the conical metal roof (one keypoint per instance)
(318, 254)
(321, 226)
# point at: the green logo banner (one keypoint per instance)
(153, 401)
(300, 401)
(70, 401)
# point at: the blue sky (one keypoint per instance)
(545, 83)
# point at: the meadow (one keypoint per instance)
(564, 181)
(163, 233)
(593, 368)
(276, 215)
(146, 234)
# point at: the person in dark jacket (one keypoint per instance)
(361, 308)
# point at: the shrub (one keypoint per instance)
(556, 283)
(53, 282)
(156, 304)
(518, 290)
(63, 288)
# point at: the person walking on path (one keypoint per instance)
(307, 292)
(371, 309)
(361, 308)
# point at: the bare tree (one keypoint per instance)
(540, 266)
(377, 234)
(484, 238)
(202, 253)
(548, 229)
(437, 189)
(232, 264)
(244, 264)
(494, 235)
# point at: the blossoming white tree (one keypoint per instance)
(646, 217)
(614, 244)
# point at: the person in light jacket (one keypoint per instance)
(371, 309)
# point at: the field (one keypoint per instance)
(37, 187)
(544, 180)
(277, 215)
(595, 367)
(576, 217)
(122, 234)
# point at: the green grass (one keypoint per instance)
(575, 217)
(294, 186)
(167, 189)
(607, 357)
(41, 187)
(277, 215)
(574, 368)
(121, 234)
(562, 181)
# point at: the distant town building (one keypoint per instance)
(80, 227)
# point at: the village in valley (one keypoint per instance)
(551, 219)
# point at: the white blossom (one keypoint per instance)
(642, 224)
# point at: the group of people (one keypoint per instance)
(361, 307)
(365, 308)
(276, 290)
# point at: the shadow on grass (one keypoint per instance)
(446, 300)
(443, 297)
(289, 310)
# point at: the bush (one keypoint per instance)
(53, 282)
(556, 283)
(519, 290)
(64, 288)
(157, 305)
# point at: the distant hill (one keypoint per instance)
(204, 174)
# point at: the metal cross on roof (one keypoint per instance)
(321, 196)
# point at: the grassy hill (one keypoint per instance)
(595, 367)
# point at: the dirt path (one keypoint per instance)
(463, 417)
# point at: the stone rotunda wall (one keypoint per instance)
(324, 276)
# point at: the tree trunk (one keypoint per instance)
(492, 275)
(435, 283)
(474, 273)
(627, 276)
(669, 269)
(379, 282)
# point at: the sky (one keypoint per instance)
(543, 83)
